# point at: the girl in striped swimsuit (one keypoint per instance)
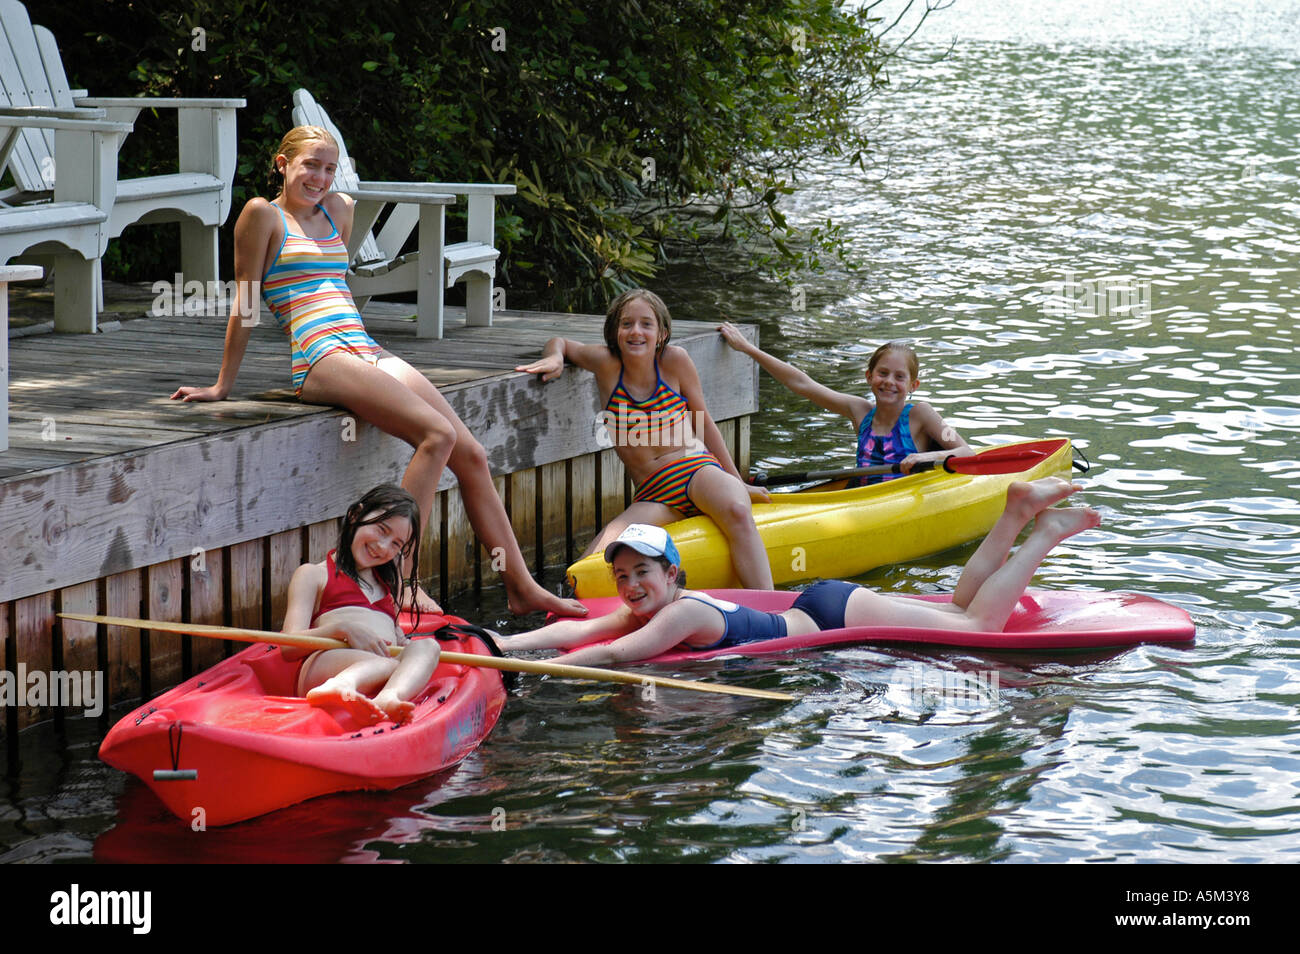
(667, 440)
(295, 247)
(893, 429)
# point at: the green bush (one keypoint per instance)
(633, 130)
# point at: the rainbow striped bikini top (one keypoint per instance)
(661, 417)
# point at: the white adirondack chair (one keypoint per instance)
(198, 196)
(379, 268)
(72, 230)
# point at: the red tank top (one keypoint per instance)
(342, 590)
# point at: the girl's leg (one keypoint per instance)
(724, 498)
(385, 401)
(991, 607)
(414, 667)
(346, 678)
(487, 515)
(643, 511)
(1024, 502)
(992, 604)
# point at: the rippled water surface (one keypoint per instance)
(1086, 219)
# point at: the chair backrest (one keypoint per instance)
(31, 74)
(307, 112)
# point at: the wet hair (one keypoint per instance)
(663, 561)
(913, 367)
(615, 313)
(291, 145)
(385, 501)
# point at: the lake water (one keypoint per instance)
(1085, 217)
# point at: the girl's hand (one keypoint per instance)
(360, 637)
(549, 367)
(199, 394)
(911, 460)
(732, 335)
(758, 494)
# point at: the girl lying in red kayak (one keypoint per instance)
(354, 596)
(893, 429)
(659, 613)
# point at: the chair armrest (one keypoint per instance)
(390, 195)
(85, 149)
(455, 188)
(159, 102)
(51, 112)
(23, 119)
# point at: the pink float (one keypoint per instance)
(1044, 620)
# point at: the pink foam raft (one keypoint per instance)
(1042, 620)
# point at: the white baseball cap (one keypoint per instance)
(647, 540)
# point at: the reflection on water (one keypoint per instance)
(1086, 232)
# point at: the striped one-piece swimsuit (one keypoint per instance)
(307, 290)
(660, 420)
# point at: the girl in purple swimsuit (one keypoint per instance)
(892, 430)
(294, 249)
(659, 613)
(667, 440)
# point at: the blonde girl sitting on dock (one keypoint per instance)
(654, 406)
(659, 614)
(295, 249)
(353, 595)
(892, 429)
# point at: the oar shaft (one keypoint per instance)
(464, 659)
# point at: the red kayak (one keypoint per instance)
(1042, 620)
(253, 746)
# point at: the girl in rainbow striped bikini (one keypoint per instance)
(658, 437)
(295, 246)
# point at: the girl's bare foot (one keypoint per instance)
(1025, 499)
(337, 692)
(532, 597)
(1062, 522)
(395, 709)
(422, 600)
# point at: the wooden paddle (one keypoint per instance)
(463, 659)
(997, 460)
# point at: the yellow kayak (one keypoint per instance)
(843, 533)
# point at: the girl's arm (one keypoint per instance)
(852, 406)
(679, 364)
(559, 350)
(305, 588)
(257, 224)
(340, 208)
(669, 627)
(566, 633)
(927, 423)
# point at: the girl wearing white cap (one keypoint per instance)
(659, 613)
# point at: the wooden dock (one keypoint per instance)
(116, 500)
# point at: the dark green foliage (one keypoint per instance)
(728, 98)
